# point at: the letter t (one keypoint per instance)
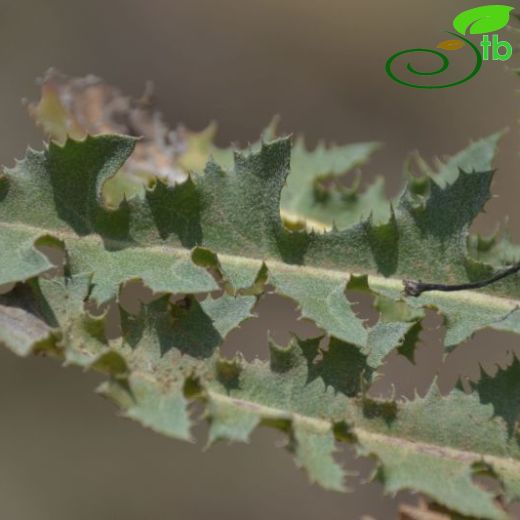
(485, 44)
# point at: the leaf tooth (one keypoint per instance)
(229, 370)
(270, 131)
(283, 359)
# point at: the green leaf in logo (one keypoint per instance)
(480, 20)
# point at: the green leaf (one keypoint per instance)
(150, 238)
(64, 184)
(308, 198)
(313, 395)
(212, 244)
(435, 440)
(484, 19)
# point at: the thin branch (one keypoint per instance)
(416, 288)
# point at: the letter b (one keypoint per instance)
(497, 45)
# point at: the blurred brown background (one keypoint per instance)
(319, 64)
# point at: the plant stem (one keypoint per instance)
(416, 288)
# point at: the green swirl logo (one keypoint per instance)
(480, 20)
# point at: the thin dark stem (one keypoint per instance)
(413, 288)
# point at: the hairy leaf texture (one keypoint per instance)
(235, 215)
(168, 356)
(211, 242)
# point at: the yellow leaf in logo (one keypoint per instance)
(451, 45)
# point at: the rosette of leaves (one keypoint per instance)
(212, 242)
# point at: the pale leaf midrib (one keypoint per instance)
(325, 425)
(476, 298)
